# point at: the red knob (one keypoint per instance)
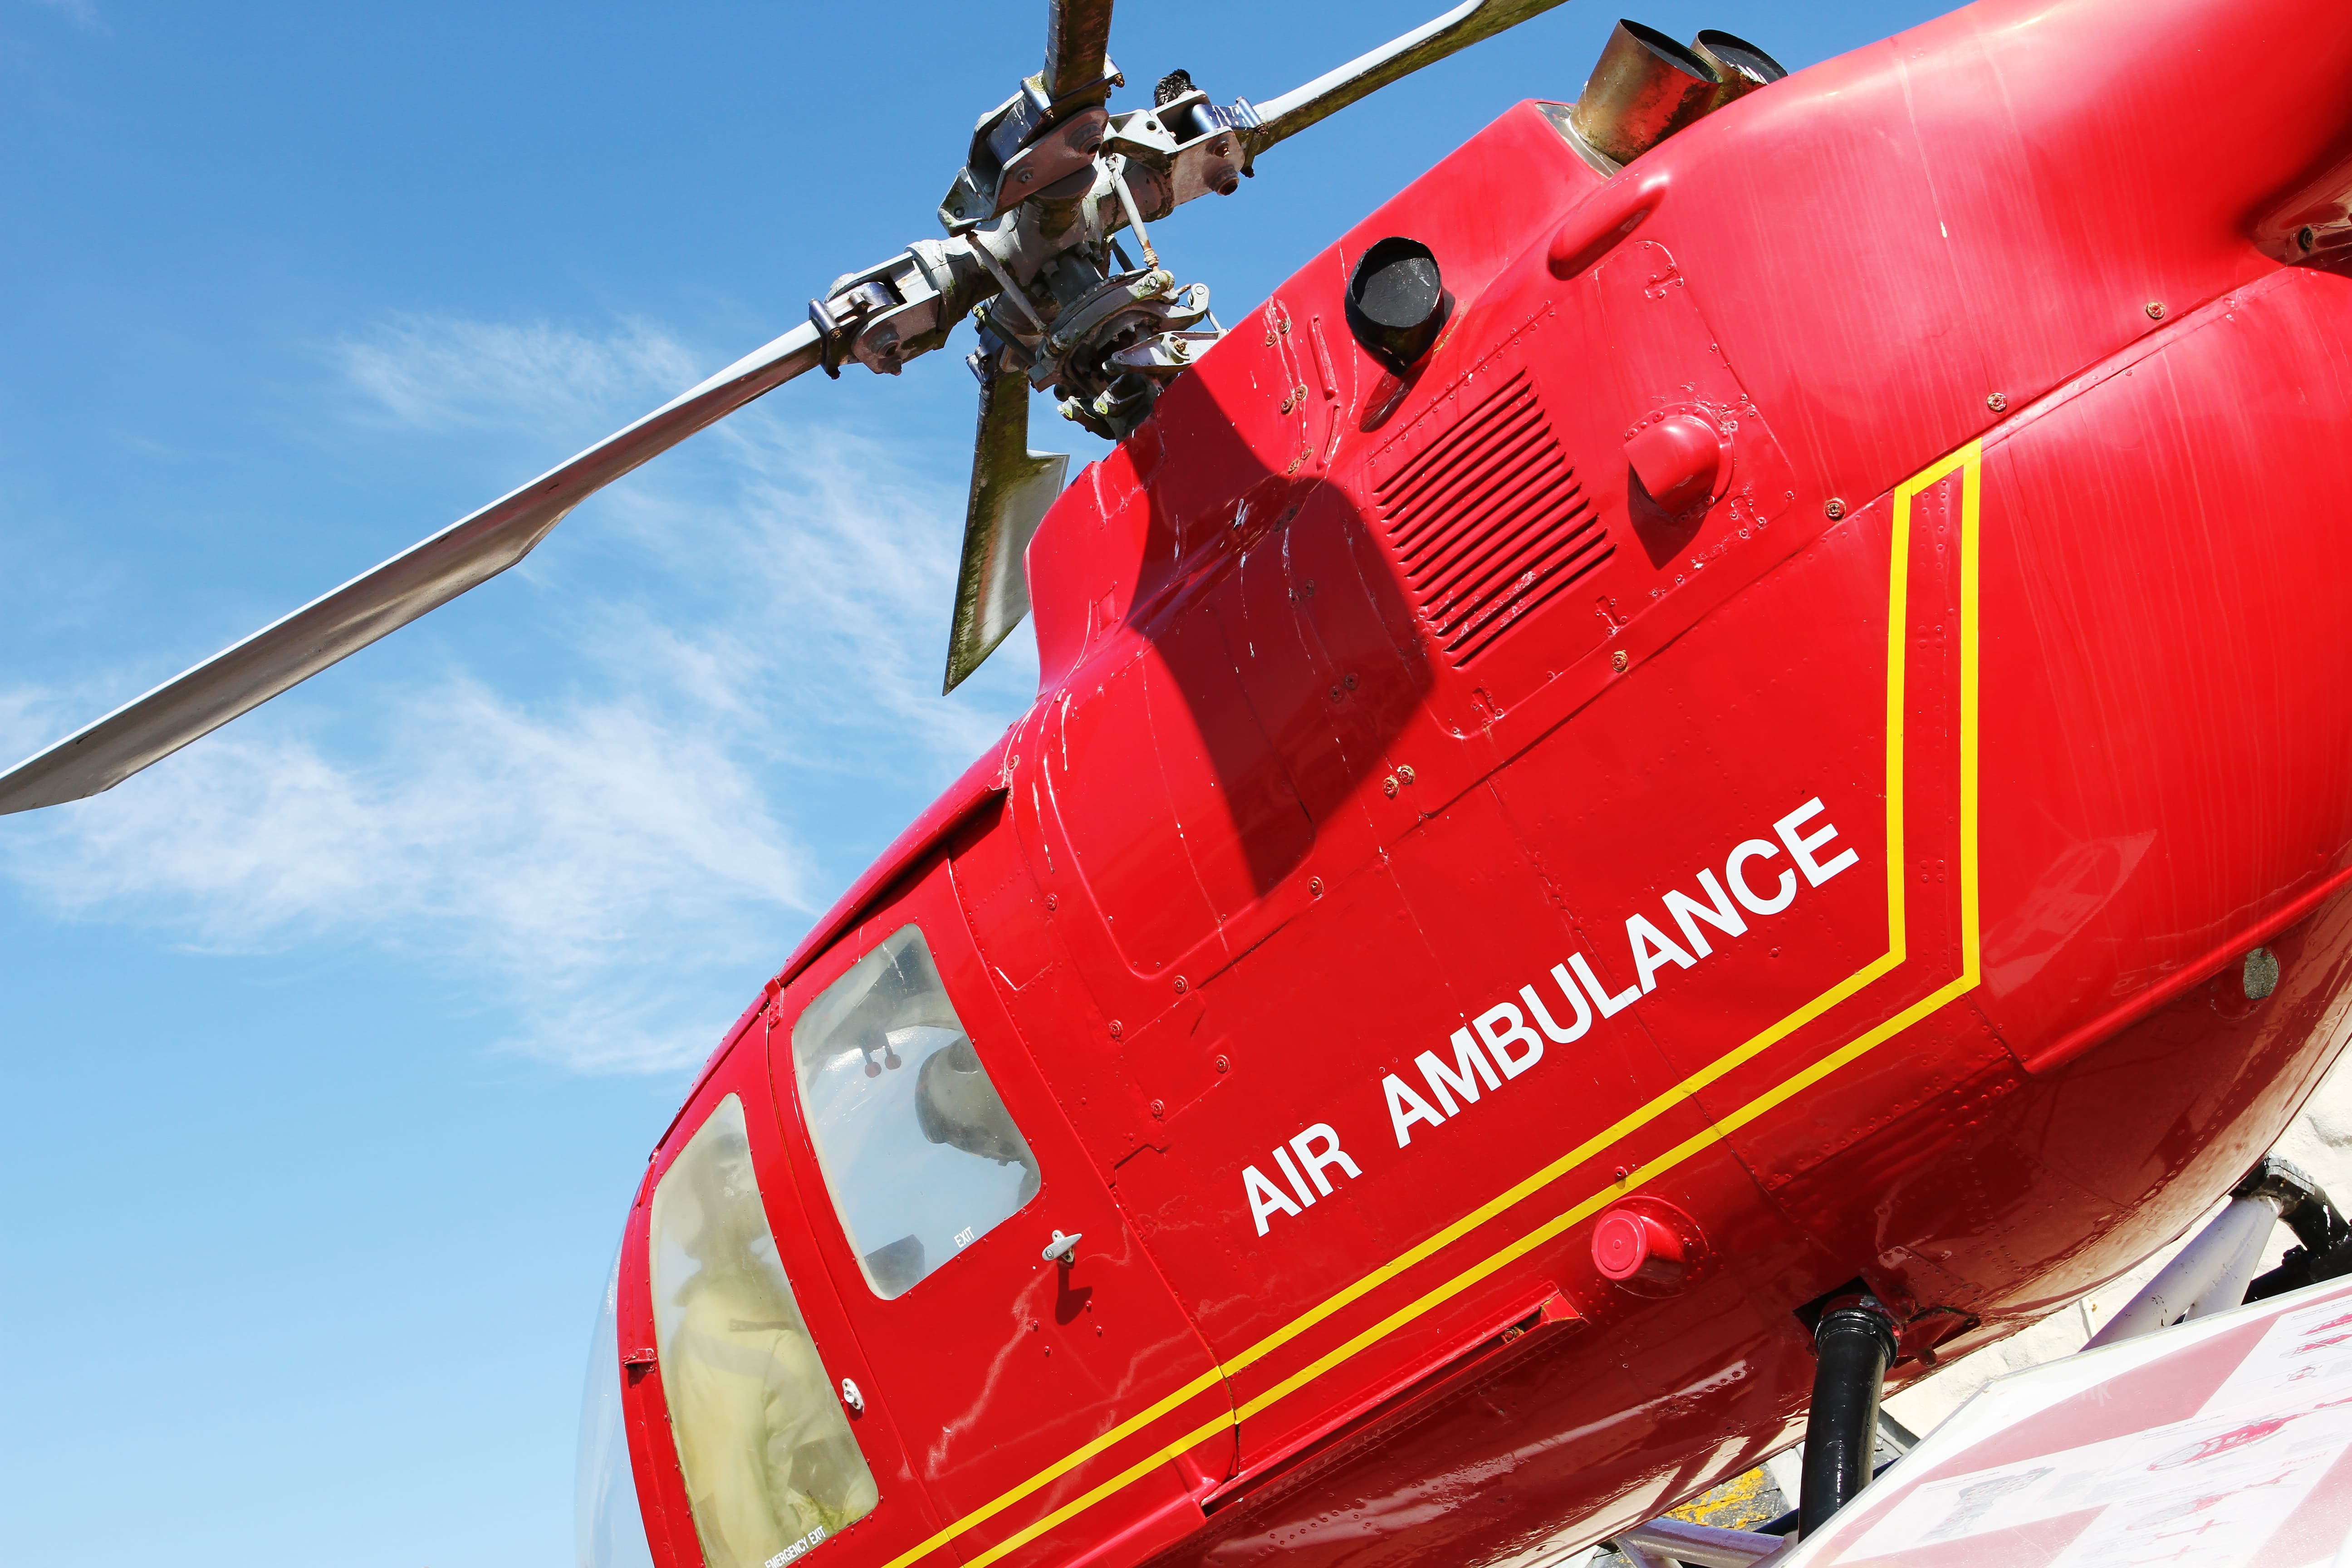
(1628, 1244)
(1678, 461)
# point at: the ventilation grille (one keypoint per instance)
(1490, 523)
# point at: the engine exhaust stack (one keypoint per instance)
(1741, 67)
(1644, 88)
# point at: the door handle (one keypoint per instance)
(1063, 1249)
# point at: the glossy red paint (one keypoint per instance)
(1950, 744)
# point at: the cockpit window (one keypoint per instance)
(770, 1467)
(918, 1151)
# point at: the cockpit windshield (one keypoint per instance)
(608, 1529)
(772, 1468)
(918, 1151)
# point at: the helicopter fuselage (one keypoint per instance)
(1908, 857)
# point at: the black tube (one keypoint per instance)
(1396, 302)
(1781, 1524)
(2317, 1224)
(1852, 1346)
(2323, 1238)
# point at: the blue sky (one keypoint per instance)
(335, 1044)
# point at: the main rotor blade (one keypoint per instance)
(424, 577)
(1294, 111)
(1012, 487)
(1077, 44)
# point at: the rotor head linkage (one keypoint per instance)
(1034, 191)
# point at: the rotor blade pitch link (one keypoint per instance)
(1134, 215)
(423, 577)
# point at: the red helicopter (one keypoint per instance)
(1711, 731)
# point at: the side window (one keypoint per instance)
(770, 1467)
(918, 1151)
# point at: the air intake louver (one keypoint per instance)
(1490, 523)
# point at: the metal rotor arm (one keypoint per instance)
(423, 577)
(1281, 118)
(1077, 44)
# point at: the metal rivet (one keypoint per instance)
(1619, 660)
(1390, 786)
(1335, 694)
(1996, 401)
(1027, 175)
(1404, 772)
(1835, 509)
(1314, 886)
(1052, 903)
(1116, 1028)
(2306, 237)
(1158, 1109)
(2156, 310)
(1179, 986)
(1350, 682)
(2260, 975)
(1223, 1064)
(1283, 326)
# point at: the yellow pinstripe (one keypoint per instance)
(1969, 462)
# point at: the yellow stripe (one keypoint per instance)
(1972, 957)
(1898, 631)
(1969, 460)
(1071, 1461)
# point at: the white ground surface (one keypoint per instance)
(2319, 1140)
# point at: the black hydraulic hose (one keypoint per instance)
(1852, 1345)
(2323, 1249)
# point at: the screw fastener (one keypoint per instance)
(1835, 509)
(1997, 402)
(1179, 986)
(2156, 310)
(1314, 886)
(1116, 1028)
(1620, 660)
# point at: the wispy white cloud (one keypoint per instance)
(81, 13)
(758, 641)
(428, 372)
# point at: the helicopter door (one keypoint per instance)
(1022, 1369)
